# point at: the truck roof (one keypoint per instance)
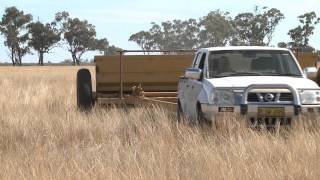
(244, 48)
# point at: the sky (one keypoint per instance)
(116, 20)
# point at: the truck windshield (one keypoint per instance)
(252, 63)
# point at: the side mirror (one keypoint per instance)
(310, 72)
(193, 73)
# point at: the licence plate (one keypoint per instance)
(271, 111)
(226, 109)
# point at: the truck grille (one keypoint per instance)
(286, 97)
(269, 97)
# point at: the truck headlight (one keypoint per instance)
(310, 96)
(223, 97)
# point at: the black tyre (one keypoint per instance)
(201, 118)
(179, 112)
(84, 90)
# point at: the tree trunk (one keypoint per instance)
(74, 58)
(40, 58)
(305, 42)
(78, 62)
(12, 57)
(19, 61)
(79, 57)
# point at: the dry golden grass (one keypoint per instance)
(42, 136)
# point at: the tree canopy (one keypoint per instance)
(301, 34)
(22, 35)
(217, 28)
(78, 34)
(43, 37)
(13, 27)
(257, 28)
(174, 34)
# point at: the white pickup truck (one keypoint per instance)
(265, 84)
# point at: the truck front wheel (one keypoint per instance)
(200, 116)
(179, 112)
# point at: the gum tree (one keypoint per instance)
(13, 27)
(43, 38)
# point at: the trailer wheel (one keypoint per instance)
(84, 90)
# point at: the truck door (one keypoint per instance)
(184, 88)
(195, 86)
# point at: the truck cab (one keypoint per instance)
(264, 84)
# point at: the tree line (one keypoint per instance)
(22, 35)
(218, 28)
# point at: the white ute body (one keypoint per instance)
(265, 84)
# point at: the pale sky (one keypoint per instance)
(116, 20)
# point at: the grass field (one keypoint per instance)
(42, 136)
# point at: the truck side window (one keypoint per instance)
(197, 60)
(201, 64)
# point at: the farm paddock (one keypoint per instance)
(43, 136)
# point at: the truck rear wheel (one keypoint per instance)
(84, 90)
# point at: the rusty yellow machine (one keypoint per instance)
(134, 79)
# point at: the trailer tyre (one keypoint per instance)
(84, 90)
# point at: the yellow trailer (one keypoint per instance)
(306, 59)
(134, 79)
